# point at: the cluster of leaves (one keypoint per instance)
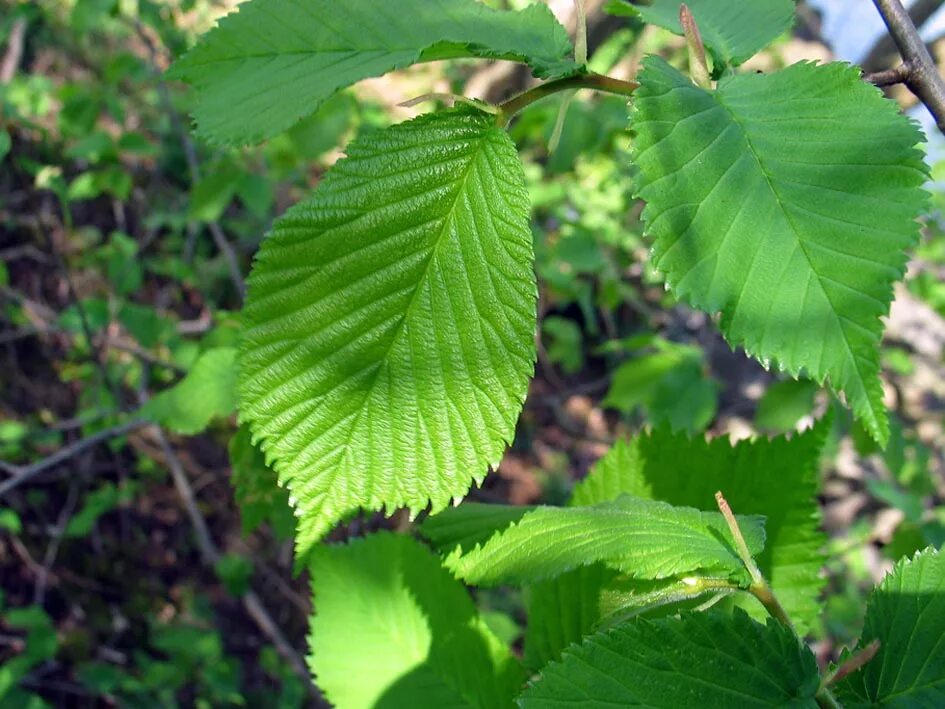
(419, 237)
(388, 338)
(614, 585)
(388, 344)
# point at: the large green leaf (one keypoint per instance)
(274, 61)
(390, 323)
(703, 659)
(732, 30)
(776, 478)
(208, 391)
(785, 202)
(393, 629)
(643, 538)
(906, 613)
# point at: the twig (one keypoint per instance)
(922, 77)
(878, 57)
(889, 77)
(698, 66)
(597, 82)
(97, 354)
(211, 555)
(145, 356)
(852, 663)
(22, 474)
(740, 545)
(11, 60)
(49, 558)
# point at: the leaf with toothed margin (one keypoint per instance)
(393, 629)
(906, 614)
(645, 539)
(709, 660)
(277, 60)
(733, 31)
(777, 478)
(390, 323)
(786, 202)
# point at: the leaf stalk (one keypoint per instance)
(759, 588)
(595, 82)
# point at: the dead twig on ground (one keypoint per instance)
(20, 474)
(14, 53)
(211, 555)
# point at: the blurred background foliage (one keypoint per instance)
(123, 245)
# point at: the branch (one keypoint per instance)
(22, 474)
(211, 555)
(759, 587)
(889, 77)
(922, 75)
(878, 57)
(11, 60)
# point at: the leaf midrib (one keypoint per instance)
(400, 329)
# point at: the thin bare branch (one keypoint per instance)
(23, 474)
(889, 77)
(922, 77)
(878, 58)
(211, 555)
(14, 53)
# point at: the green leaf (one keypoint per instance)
(10, 521)
(469, 525)
(256, 488)
(6, 142)
(562, 611)
(732, 30)
(390, 323)
(703, 659)
(670, 384)
(97, 503)
(564, 342)
(784, 404)
(207, 392)
(277, 60)
(41, 644)
(235, 571)
(391, 617)
(210, 197)
(906, 613)
(776, 478)
(643, 538)
(786, 202)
